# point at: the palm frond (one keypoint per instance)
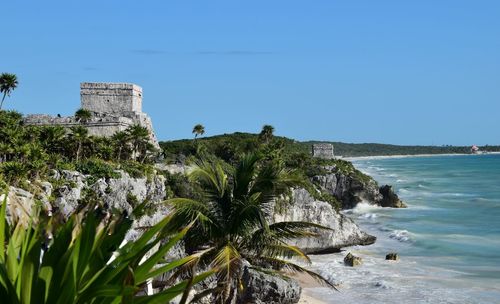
(244, 174)
(212, 177)
(228, 261)
(288, 266)
(284, 251)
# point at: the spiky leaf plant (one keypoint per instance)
(86, 260)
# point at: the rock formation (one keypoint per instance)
(393, 256)
(351, 260)
(351, 190)
(343, 231)
(263, 288)
(389, 198)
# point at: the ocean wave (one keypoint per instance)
(362, 208)
(368, 216)
(382, 285)
(401, 235)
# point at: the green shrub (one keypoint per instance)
(87, 260)
(97, 168)
(137, 170)
(14, 172)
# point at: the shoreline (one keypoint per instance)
(307, 283)
(412, 155)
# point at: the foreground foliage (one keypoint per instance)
(86, 260)
(233, 220)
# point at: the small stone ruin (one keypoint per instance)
(323, 150)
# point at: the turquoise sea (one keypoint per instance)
(448, 238)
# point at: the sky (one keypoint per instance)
(400, 72)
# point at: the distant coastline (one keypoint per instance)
(411, 155)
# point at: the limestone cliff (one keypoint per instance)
(351, 189)
(343, 232)
(70, 187)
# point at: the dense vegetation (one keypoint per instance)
(232, 220)
(30, 152)
(227, 200)
(229, 148)
(242, 141)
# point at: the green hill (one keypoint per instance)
(230, 143)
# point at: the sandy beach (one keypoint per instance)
(307, 283)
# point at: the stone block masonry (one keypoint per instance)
(113, 98)
(114, 107)
(323, 150)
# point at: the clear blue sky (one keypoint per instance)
(403, 72)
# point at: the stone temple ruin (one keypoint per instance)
(114, 107)
(323, 150)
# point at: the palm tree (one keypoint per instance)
(8, 82)
(139, 138)
(198, 130)
(233, 221)
(120, 141)
(52, 138)
(80, 135)
(83, 115)
(267, 133)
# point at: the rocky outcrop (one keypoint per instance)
(342, 230)
(389, 198)
(263, 288)
(70, 187)
(351, 260)
(117, 193)
(351, 190)
(393, 256)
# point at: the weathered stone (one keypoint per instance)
(342, 230)
(68, 195)
(393, 256)
(389, 198)
(351, 260)
(114, 98)
(323, 150)
(350, 190)
(122, 194)
(263, 288)
(114, 107)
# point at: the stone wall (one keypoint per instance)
(116, 98)
(98, 125)
(323, 151)
(114, 107)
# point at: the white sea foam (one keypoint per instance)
(369, 216)
(401, 235)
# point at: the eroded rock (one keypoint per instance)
(392, 256)
(389, 198)
(351, 260)
(263, 288)
(342, 232)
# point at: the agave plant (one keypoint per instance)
(86, 260)
(234, 221)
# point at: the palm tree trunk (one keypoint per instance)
(3, 98)
(78, 151)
